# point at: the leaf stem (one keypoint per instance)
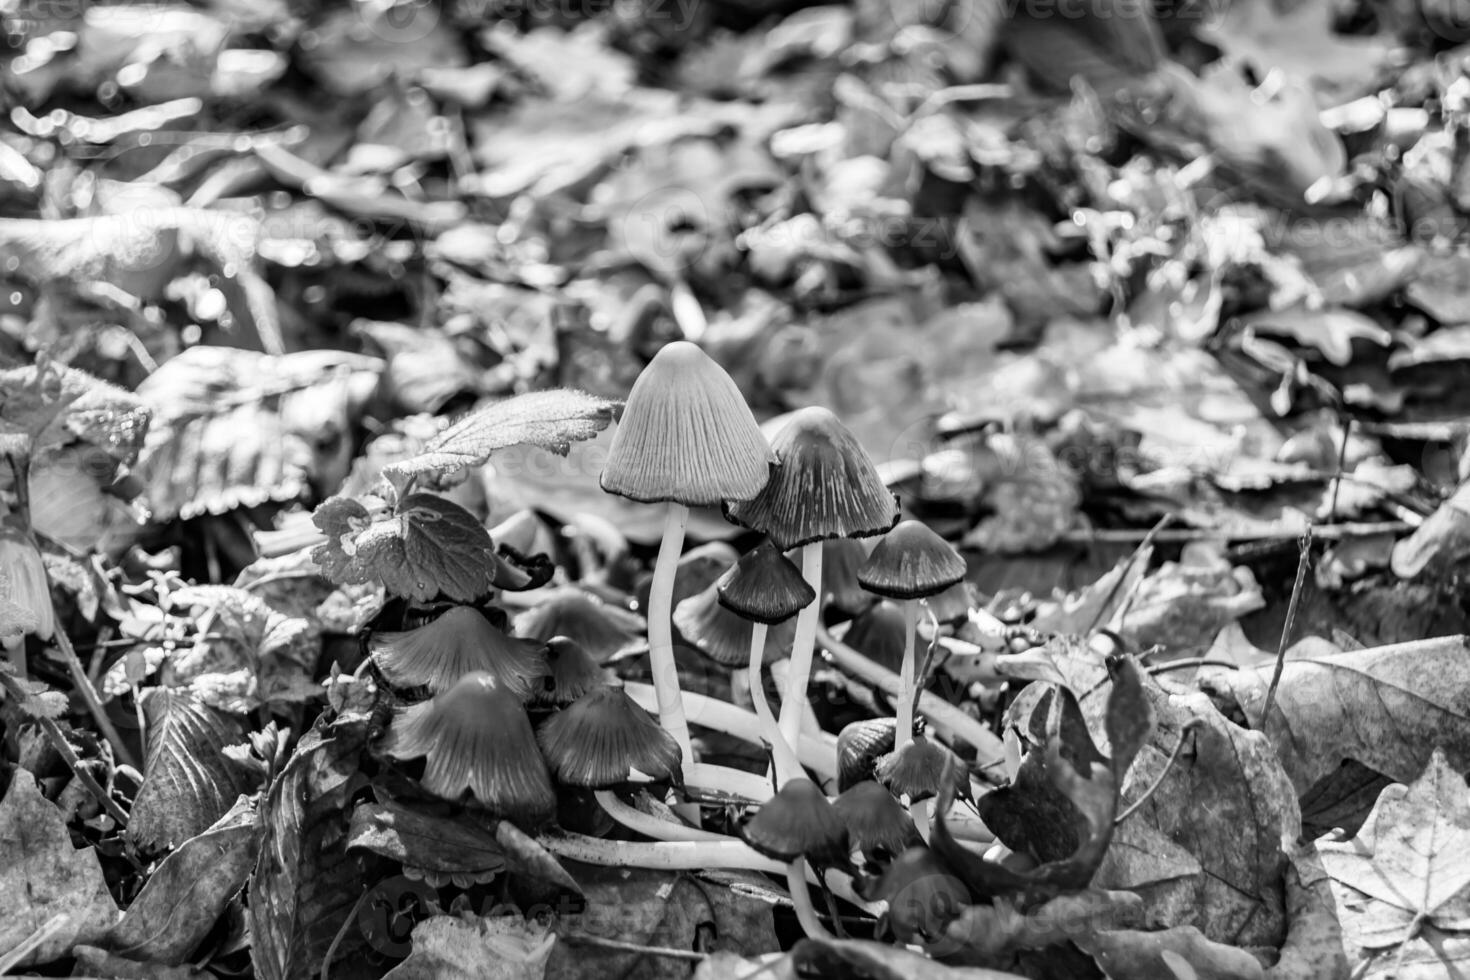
(1159, 780)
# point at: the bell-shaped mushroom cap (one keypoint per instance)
(601, 629)
(860, 745)
(911, 562)
(841, 559)
(723, 636)
(570, 673)
(877, 824)
(686, 435)
(459, 642)
(917, 769)
(878, 634)
(798, 821)
(477, 737)
(764, 587)
(923, 896)
(597, 739)
(825, 487)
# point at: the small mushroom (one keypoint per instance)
(877, 824)
(826, 487)
(860, 745)
(570, 673)
(878, 634)
(723, 635)
(686, 439)
(923, 896)
(767, 590)
(916, 769)
(601, 629)
(459, 642)
(477, 739)
(796, 825)
(841, 559)
(910, 563)
(596, 740)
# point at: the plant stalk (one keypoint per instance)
(783, 756)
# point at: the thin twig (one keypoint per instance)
(63, 748)
(35, 939)
(1303, 561)
(1188, 662)
(1143, 545)
(1347, 428)
(1173, 757)
(626, 947)
(331, 952)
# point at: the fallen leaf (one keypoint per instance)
(1385, 707)
(1169, 954)
(863, 960)
(1329, 331)
(1403, 884)
(42, 875)
(188, 782)
(185, 896)
(446, 947)
(443, 846)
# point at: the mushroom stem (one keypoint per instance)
(921, 812)
(787, 766)
(729, 854)
(660, 630)
(945, 716)
(816, 751)
(903, 734)
(804, 644)
(649, 825)
(801, 899)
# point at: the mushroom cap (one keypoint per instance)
(825, 487)
(798, 821)
(878, 634)
(477, 737)
(953, 604)
(603, 630)
(686, 435)
(459, 642)
(764, 587)
(916, 770)
(722, 635)
(923, 896)
(598, 738)
(877, 824)
(860, 745)
(570, 673)
(841, 559)
(911, 562)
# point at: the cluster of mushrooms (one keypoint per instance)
(512, 715)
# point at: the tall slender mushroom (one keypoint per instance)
(686, 439)
(826, 487)
(910, 563)
(766, 589)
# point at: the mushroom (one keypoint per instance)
(600, 737)
(722, 634)
(909, 563)
(686, 439)
(459, 642)
(796, 825)
(826, 487)
(860, 745)
(877, 825)
(923, 896)
(767, 590)
(878, 634)
(601, 629)
(916, 769)
(841, 558)
(570, 673)
(477, 738)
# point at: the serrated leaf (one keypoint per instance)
(188, 781)
(552, 420)
(428, 546)
(45, 406)
(305, 882)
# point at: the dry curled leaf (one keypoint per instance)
(446, 947)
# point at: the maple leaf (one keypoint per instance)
(1404, 881)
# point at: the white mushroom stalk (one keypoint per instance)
(783, 756)
(661, 631)
(793, 702)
